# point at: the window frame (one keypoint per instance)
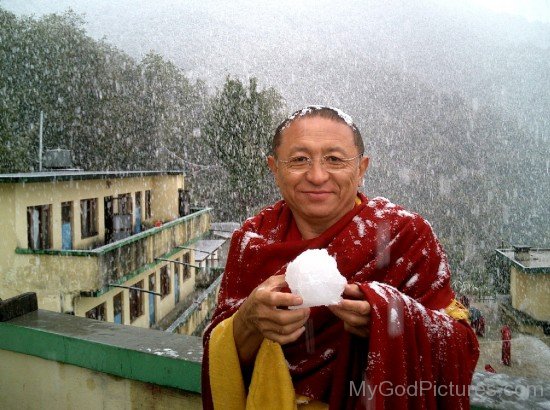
(88, 217)
(44, 240)
(165, 281)
(118, 296)
(136, 300)
(148, 213)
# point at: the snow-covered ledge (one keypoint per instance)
(152, 361)
(500, 391)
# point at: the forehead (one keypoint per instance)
(317, 133)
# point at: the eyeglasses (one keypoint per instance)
(330, 163)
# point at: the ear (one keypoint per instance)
(363, 165)
(272, 164)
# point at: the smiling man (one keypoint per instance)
(397, 340)
(318, 165)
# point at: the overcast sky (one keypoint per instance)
(532, 10)
(278, 41)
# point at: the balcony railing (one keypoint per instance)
(118, 261)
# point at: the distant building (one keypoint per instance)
(528, 271)
(114, 246)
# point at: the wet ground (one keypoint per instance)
(530, 354)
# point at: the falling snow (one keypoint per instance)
(451, 99)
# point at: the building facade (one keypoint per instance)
(114, 246)
(528, 270)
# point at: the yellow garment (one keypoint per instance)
(271, 385)
(458, 311)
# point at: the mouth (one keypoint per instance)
(317, 195)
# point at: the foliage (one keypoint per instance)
(239, 127)
(110, 111)
(477, 174)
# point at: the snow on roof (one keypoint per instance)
(224, 229)
(205, 247)
(538, 258)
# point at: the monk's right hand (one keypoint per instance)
(263, 314)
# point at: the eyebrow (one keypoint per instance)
(296, 149)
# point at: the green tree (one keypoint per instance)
(97, 101)
(238, 129)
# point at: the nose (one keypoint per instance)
(317, 174)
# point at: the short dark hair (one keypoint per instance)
(318, 111)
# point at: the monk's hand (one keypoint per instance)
(354, 311)
(265, 312)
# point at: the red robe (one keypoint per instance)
(506, 334)
(416, 355)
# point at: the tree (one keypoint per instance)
(97, 101)
(239, 128)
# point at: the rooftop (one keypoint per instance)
(205, 247)
(70, 175)
(171, 360)
(224, 229)
(125, 351)
(539, 260)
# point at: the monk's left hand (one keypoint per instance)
(354, 312)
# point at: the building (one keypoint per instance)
(115, 246)
(527, 270)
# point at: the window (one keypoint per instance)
(186, 268)
(124, 204)
(148, 204)
(88, 217)
(136, 301)
(67, 225)
(97, 313)
(164, 281)
(38, 227)
(118, 309)
(183, 202)
(152, 288)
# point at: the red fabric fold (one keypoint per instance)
(400, 266)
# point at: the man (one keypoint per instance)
(397, 340)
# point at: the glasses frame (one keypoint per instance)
(322, 161)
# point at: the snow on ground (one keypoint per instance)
(530, 354)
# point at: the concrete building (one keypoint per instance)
(115, 246)
(528, 272)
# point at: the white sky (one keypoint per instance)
(532, 10)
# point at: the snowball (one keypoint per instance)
(314, 276)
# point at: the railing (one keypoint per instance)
(120, 260)
(194, 318)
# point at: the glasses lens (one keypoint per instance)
(331, 163)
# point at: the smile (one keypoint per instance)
(317, 195)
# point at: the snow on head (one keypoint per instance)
(312, 108)
(314, 276)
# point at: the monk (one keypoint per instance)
(398, 339)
